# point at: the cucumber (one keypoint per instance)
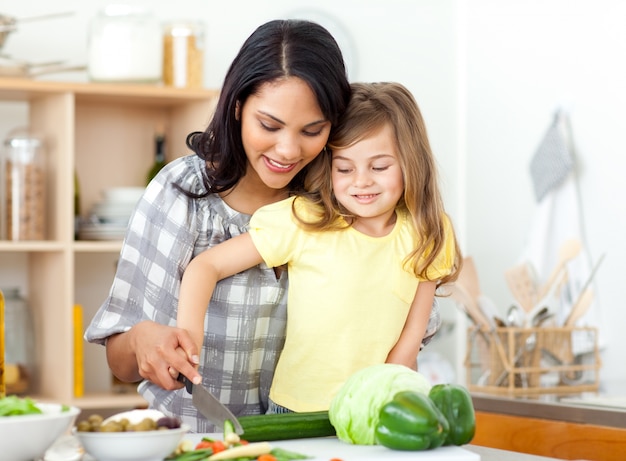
(286, 426)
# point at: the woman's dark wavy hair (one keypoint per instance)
(276, 49)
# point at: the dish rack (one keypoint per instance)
(532, 361)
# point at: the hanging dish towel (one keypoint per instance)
(553, 160)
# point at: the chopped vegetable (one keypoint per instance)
(267, 457)
(13, 405)
(285, 455)
(251, 450)
(455, 402)
(411, 421)
(210, 450)
(355, 409)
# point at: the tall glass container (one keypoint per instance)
(183, 51)
(19, 343)
(22, 170)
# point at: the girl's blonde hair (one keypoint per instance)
(372, 106)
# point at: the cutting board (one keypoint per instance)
(326, 448)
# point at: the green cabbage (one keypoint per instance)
(355, 408)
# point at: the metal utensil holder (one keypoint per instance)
(531, 361)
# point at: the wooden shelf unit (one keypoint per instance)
(104, 133)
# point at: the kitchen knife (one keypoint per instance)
(210, 407)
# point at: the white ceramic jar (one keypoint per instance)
(125, 45)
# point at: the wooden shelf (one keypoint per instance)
(105, 134)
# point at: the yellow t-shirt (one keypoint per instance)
(348, 300)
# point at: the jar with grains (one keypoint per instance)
(183, 46)
(23, 195)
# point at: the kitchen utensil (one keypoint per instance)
(513, 316)
(468, 305)
(587, 283)
(551, 299)
(541, 316)
(568, 251)
(579, 308)
(468, 278)
(522, 285)
(9, 24)
(480, 307)
(490, 311)
(210, 407)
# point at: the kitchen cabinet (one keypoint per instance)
(105, 134)
(550, 428)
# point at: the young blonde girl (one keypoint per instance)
(365, 247)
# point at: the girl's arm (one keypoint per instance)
(202, 274)
(408, 345)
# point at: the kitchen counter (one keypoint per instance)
(567, 409)
(572, 427)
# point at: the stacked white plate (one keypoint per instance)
(108, 218)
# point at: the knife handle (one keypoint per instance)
(188, 384)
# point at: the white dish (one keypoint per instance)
(131, 446)
(28, 437)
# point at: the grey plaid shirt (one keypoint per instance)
(245, 322)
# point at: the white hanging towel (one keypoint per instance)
(557, 219)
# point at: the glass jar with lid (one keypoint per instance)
(23, 194)
(19, 343)
(125, 45)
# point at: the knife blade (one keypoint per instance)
(210, 407)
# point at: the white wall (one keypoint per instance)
(524, 60)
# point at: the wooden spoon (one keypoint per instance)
(579, 308)
(468, 278)
(568, 251)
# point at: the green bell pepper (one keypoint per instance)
(411, 421)
(455, 402)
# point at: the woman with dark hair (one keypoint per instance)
(282, 94)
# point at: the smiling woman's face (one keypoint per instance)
(282, 129)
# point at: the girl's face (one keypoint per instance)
(367, 180)
(283, 129)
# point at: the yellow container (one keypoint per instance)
(2, 386)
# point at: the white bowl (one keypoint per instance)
(123, 194)
(27, 437)
(131, 446)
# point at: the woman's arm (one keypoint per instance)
(204, 271)
(408, 345)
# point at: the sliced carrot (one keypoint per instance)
(218, 446)
(267, 457)
(204, 444)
